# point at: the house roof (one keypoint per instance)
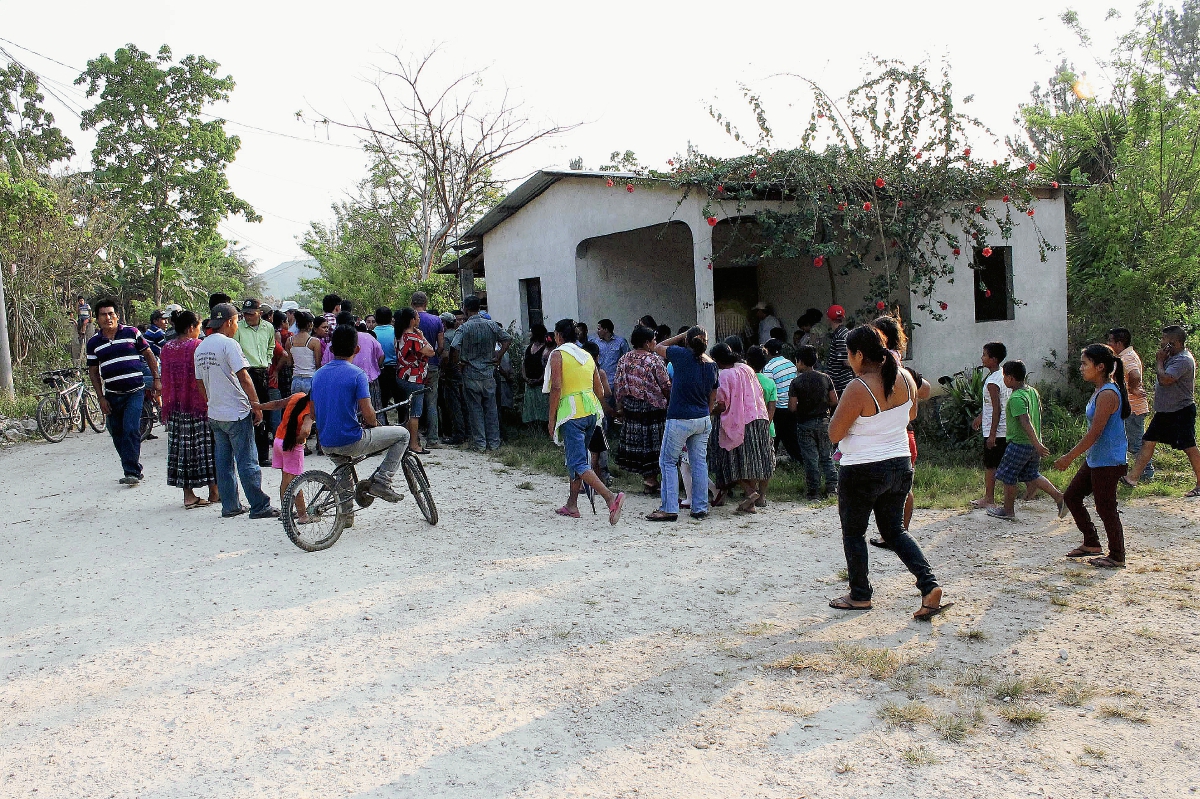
(524, 194)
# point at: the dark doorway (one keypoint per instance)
(993, 285)
(531, 298)
(737, 283)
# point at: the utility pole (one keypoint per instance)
(6, 373)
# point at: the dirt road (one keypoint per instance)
(150, 651)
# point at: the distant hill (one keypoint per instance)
(282, 282)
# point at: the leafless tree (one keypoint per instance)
(440, 143)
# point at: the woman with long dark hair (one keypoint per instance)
(693, 396)
(870, 426)
(535, 410)
(743, 454)
(1104, 465)
(190, 455)
(641, 389)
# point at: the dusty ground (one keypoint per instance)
(148, 651)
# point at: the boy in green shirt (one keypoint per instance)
(1023, 420)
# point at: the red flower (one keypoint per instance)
(670, 162)
(841, 206)
(881, 305)
(1032, 167)
(609, 182)
(1054, 185)
(919, 156)
(967, 152)
(880, 183)
(895, 244)
(899, 203)
(866, 206)
(978, 209)
(994, 162)
(753, 174)
(629, 188)
(712, 221)
(721, 187)
(819, 261)
(830, 188)
(943, 305)
(820, 115)
(957, 251)
(987, 252)
(1006, 198)
(987, 293)
(1029, 212)
(974, 234)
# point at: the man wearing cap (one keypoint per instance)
(115, 358)
(290, 307)
(222, 374)
(766, 322)
(257, 340)
(836, 364)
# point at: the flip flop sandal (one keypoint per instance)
(1107, 563)
(842, 603)
(614, 510)
(1195, 492)
(1125, 481)
(200, 503)
(565, 511)
(650, 491)
(1080, 552)
(879, 542)
(997, 513)
(660, 516)
(921, 615)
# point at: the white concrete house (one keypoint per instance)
(566, 244)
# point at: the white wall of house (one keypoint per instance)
(645, 270)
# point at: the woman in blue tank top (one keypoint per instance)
(1104, 466)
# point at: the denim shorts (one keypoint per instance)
(576, 433)
(418, 403)
(1019, 464)
(301, 384)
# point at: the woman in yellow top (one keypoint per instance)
(573, 383)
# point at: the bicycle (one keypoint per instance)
(70, 403)
(331, 497)
(150, 417)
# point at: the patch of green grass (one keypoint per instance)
(526, 486)
(975, 677)
(880, 664)
(919, 756)
(1075, 694)
(906, 715)
(843, 574)
(1059, 601)
(1130, 711)
(951, 727)
(1021, 714)
(972, 635)
(1012, 689)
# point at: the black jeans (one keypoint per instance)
(785, 431)
(264, 439)
(389, 392)
(880, 487)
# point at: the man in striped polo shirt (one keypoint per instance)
(115, 356)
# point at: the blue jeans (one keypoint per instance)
(273, 418)
(575, 435)
(484, 415)
(302, 384)
(812, 438)
(125, 427)
(694, 434)
(429, 419)
(234, 448)
(1135, 425)
(416, 408)
(881, 487)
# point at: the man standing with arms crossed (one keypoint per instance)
(1174, 422)
(1121, 343)
(224, 380)
(257, 340)
(114, 357)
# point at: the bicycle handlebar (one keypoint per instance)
(402, 402)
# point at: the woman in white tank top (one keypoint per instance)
(870, 427)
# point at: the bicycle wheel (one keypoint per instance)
(92, 413)
(316, 493)
(53, 418)
(418, 485)
(149, 418)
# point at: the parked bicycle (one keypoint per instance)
(150, 417)
(71, 402)
(318, 506)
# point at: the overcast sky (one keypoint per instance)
(639, 74)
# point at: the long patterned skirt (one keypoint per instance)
(190, 459)
(641, 437)
(753, 460)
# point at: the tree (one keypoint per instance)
(444, 143)
(154, 154)
(28, 135)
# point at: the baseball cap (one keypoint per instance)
(762, 306)
(251, 305)
(157, 314)
(172, 308)
(836, 313)
(220, 314)
(289, 305)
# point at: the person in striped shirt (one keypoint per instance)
(115, 356)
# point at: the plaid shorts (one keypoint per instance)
(1019, 464)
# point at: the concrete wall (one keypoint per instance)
(645, 271)
(543, 238)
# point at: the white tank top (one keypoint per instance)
(879, 437)
(304, 363)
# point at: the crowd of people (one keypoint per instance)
(699, 421)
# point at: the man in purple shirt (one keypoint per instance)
(435, 333)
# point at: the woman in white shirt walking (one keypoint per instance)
(870, 426)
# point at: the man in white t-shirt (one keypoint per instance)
(991, 420)
(224, 380)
